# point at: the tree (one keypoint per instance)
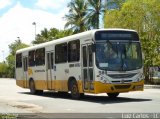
(95, 9)
(16, 45)
(142, 16)
(56, 34)
(3, 70)
(13, 47)
(63, 33)
(76, 18)
(42, 37)
(52, 34)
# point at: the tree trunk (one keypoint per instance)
(146, 74)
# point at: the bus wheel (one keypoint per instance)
(74, 90)
(112, 95)
(32, 87)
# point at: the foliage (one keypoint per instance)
(43, 37)
(76, 18)
(16, 45)
(95, 9)
(3, 69)
(84, 15)
(52, 34)
(142, 16)
(8, 116)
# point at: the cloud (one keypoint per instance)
(17, 22)
(50, 4)
(5, 3)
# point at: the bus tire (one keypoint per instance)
(32, 87)
(112, 95)
(74, 90)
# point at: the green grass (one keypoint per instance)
(8, 116)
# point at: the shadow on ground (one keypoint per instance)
(90, 98)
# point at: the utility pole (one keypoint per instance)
(34, 23)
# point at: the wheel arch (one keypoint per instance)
(30, 79)
(70, 79)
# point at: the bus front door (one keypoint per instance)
(50, 71)
(25, 70)
(87, 68)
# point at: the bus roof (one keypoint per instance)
(65, 39)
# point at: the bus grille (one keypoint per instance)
(122, 86)
(119, 81)
(116, 76)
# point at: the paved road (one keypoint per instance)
(14, 99)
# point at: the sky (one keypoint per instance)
(17, 16)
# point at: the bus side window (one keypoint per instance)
(73, 51)
(52, 60)
(90, 56)
(18, 60)
(32, 58)
(40, 57)
(61, 53)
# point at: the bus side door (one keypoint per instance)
(50, 72)
(25, 71)
(87, 67)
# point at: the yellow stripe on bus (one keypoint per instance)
(62, 85)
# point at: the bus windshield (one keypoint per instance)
(118, 56)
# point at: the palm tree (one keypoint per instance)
(96, 8)
(44, 36)
(76, 19)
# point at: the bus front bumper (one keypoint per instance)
(120, 88)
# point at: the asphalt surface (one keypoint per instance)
(14, 99)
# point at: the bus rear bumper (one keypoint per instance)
(120, 88)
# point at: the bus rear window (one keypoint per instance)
(116, 35)
(18, 60)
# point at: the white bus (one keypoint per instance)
(96, 61)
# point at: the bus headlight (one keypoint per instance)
(105, 80)
(140, 77)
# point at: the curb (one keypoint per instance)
(152, 86)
